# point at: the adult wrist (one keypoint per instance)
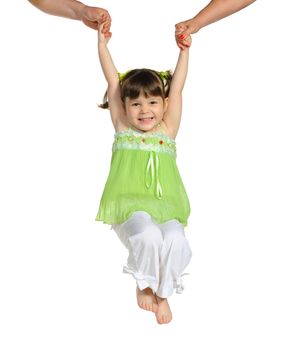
(194, 25)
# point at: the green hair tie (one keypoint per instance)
(164, 75)
(122, 75)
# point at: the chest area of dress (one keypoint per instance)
(154, 143)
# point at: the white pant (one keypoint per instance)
(158, 253)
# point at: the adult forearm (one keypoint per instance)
(64, 8)
(218, 9)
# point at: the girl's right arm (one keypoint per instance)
(112, 78)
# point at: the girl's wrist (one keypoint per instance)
(184, 51)
(102, 45)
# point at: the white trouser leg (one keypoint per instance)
(175, 255)
(158, 253)
(143, 239)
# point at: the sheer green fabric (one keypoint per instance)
(143, 177)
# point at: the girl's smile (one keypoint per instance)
(146, 120)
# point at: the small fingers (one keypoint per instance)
(108, 35)
(184, 39)
(106, 27)
(186, 42)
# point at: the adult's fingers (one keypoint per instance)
(90, 24)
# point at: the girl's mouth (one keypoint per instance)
(146, 119)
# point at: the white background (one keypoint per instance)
(61, 277)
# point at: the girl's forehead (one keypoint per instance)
(143, 96)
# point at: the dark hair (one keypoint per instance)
(143, 80)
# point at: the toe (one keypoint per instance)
(158, 318)
(154, 308)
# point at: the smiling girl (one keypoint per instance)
(144, 198)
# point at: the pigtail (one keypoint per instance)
(167, 82)
(105, 104)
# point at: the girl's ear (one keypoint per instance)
(165, 104)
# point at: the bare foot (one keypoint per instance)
(146, 299)
(163, 313)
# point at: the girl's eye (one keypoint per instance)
(135, 104)
(153, 102)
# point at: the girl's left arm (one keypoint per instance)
(172, 116)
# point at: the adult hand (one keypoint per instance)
(213, 12)
(93, 16)
(183, 33)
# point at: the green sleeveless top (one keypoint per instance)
(143, 177)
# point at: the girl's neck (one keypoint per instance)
(157, 129)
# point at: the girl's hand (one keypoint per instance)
(103, 35)
(182, 36)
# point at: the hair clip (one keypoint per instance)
(164, 75)
(122, 75)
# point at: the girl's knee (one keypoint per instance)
(147, 237)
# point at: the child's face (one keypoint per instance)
(144, 113)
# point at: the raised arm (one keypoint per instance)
(173, 113)
(91, 16)
(213, 12)
(111, 75)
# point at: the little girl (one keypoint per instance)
(144, 198)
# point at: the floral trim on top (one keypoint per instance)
(157, 142)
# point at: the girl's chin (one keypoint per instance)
(144, 124)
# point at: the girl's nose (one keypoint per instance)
(144, 108)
